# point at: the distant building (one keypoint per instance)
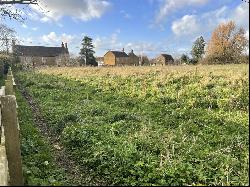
(120, 58)
(40, 55)
(133, 59)
(100, 61)
(163, 59)
(144, 61)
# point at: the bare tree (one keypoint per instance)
(7, 35)
(7, 9)
(5, 2)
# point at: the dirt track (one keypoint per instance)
(62, 158)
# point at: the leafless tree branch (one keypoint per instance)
(6, 2)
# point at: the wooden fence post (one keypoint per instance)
(0, 124)
(12, 141)
(9, 71)
(9, 87)
(2, 92)
(9, 77)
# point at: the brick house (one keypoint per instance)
(120, 58)
(163, 59)
(33, 56)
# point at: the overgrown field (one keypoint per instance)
(37, 157)
(38, 161)
(150, 126)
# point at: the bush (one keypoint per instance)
(5, 61)
(243, 59)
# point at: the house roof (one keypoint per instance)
(39, 51)
(99, 58)
(132, 54)
(119, 54)
(168, 57)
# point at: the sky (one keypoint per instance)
(149, 27)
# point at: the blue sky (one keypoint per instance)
(148, 27)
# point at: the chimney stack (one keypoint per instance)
(132, 51)
(122, 49)
(13, 42)
(62, 45)
(13, 46)
(66, 45)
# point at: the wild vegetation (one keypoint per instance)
(38, 161)
(185, 125)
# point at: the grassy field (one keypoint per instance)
(38, 161)
(183, 125)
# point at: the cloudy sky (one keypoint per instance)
(147, 26)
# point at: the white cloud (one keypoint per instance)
(28, 27)
(183, 50)
(213, 18)
(52, 38)
(241, 15)
(45, 19)
(112, 42)
(108, 43)
(34, 28)
(67, 38)
(24, 26)
(142, 47)
(170, 6)
(185, 26)
(81, 9)
(33, 16)
(194, 25)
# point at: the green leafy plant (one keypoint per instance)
(186, 127)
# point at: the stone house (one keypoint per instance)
(34, 56)
(163, 59)
(120, 58)
(144, 61)
(133, 59)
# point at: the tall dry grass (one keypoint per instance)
(231, 71)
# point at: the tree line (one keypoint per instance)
(228, 44)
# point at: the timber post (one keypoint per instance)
(12, 140)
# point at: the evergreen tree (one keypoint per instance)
(184, 59)
(198, 49)
(87, 52)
